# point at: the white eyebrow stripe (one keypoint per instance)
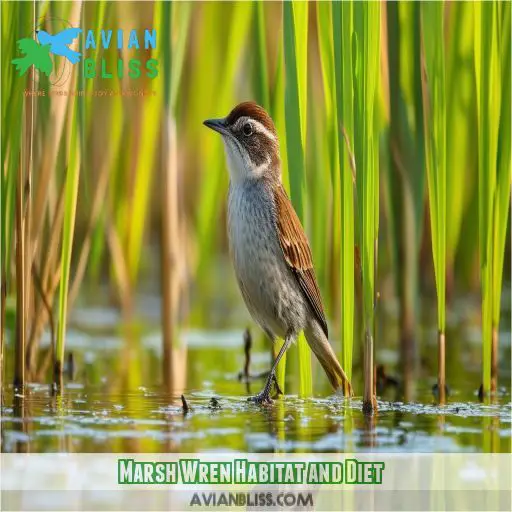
(257, 125)
(261, 129)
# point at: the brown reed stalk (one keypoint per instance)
(169, 247)
(49, 279)
(19, 348)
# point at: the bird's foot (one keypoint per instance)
(262, 398)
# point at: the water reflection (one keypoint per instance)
(21, 424)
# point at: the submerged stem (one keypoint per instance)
(494, 359)
(441, 382)
(369, 402)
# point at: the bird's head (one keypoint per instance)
(250, 140)
(43, 37)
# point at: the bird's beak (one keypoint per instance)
(219, 125)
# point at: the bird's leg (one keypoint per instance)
(264, 396)
(278, 388)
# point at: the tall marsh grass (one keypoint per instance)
(384, 125)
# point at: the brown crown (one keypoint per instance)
(254, 111)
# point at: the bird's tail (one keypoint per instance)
(323, 351)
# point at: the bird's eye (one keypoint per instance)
(247, 129)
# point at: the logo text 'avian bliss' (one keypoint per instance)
(120, 40)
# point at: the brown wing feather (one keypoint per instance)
(297, 253)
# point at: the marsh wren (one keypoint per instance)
(270, 252)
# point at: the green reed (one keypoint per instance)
(342, 30)
(261, 85)
(295, 30)
(434, 102)
(461, 157)
(325, 148)
(492, 53)
(366, 41)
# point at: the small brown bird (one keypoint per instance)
(269, 249)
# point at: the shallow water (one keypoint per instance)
(114, 400)
(86, 419)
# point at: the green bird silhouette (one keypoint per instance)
(34, 54)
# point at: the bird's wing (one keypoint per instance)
(297, 253)
(28, 46)
(66, 36)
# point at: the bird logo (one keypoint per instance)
(37, 53)
(59, 43)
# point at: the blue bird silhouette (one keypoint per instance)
(59, 43)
